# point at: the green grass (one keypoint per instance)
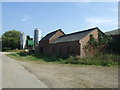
(101, 60)
(12, 50)
(25, 58)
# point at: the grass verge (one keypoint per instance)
(99, 59)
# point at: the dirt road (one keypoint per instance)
(67, 76)
(57, 75)
(16, 76)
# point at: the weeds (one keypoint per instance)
(99, 59)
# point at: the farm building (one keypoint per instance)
(58, 43)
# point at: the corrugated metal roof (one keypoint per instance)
(73, 36)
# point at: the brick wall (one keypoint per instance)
(55, 36)
(46, 43)
(63, 49)
(86, 39)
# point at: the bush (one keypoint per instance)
(103, 60)
(72, 60)
(23, 53)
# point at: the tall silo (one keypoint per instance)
(22, 40)
(37, 36)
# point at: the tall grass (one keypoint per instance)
(99, 59)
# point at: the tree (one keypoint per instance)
(103, 39)
(11, 40)
(102, 44)
(28, 37)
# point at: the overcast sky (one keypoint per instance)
(49, 16)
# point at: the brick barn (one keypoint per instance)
(58, 43)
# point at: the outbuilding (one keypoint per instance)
(58, 43)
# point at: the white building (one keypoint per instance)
(37, 36)
(22, 40)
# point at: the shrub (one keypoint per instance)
(98, 59)
(23, 53)
(72, 60)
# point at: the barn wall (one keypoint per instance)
(56, 35)
(86, 39)
(63, 49)
(43, 45)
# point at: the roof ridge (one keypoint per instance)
(80, 31)
(54, 31)
(74, 36)
(51, 34)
